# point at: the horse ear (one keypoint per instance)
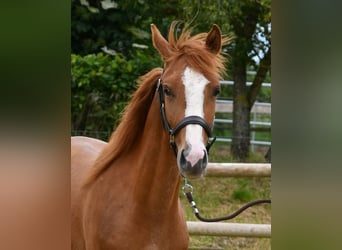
(213, 40)
(160, 43)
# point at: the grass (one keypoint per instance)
(220, 152)
(217, 197)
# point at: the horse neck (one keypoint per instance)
(158, 179)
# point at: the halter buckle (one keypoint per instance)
(210, 142)
(172, 138)
(187, 188)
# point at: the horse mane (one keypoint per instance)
(193, 49)
(134, 116)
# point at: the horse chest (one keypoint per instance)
(125, 225)
(140, 237)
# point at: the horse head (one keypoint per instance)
(187, 92)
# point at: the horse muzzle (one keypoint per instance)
(192, 163)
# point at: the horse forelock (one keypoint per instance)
(127, 132)
(194, 51)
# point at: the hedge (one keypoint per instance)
(101, 85)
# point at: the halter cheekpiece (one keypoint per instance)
(193, 119)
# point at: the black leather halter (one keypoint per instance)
(193, 119)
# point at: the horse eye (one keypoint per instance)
(216, 92)
(167, 91)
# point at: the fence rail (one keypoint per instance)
(229, 229)
(264, 84)
(239, 169)
(226, 106)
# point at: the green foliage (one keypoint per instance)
(101, 86)
(117, 25)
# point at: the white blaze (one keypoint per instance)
(195, 84)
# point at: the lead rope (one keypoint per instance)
(187, 190)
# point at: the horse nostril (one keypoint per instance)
(205, 159)
(192, 165)
(182, 158)
(186, 159)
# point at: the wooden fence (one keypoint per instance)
(226, 228)
(239, 169)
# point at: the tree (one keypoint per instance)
(248, 19)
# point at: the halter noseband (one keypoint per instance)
(193, 119)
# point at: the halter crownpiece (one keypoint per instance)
(193, 119)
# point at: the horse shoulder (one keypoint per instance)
(84, 151)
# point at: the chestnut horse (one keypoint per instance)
(125, 192)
